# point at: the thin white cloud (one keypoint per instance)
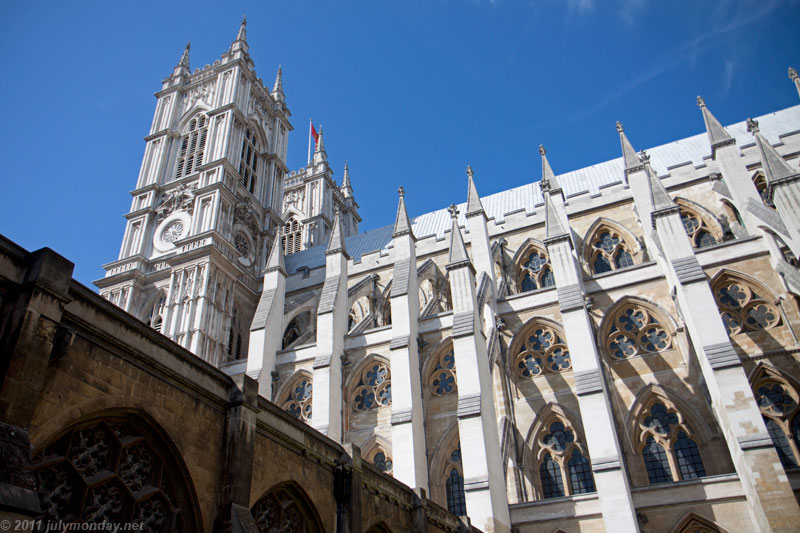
(730, 68)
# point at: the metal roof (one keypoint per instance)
(585, 180)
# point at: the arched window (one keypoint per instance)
(286, 508)
(382, 461)
(442, 378)
(297, 398)
(115, 470)
(742, 308)
(300, 329)
(234, 338)
(249, 160)
(778, 402)
(564, 469)
(541, 350)
(607, 250)
(374, 387)
(534, 270)
(292, 239)
(668, 450)
(635, 330)
(454, 484)
(359, 311)
(193, 146)
(696, 228)
(761, 186)
(156, 317)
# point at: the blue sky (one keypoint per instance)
(408, 92)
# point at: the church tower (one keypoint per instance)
(206, 206)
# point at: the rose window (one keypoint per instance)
(635, 331)
(374, 388)
(241, 244)
(299, 402)
(542, 351)
(742, 309)
(173, 232)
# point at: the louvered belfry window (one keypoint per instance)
(193, 146)
(249, 160)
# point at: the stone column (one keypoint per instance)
(484, 484)
(608, 467)
(267, 326)
(408, 418)
(331, 328)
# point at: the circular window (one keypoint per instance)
(170, 231)
(242, 244)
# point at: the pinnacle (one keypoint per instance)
(184, 61)
(630, 160)
(717, 134)
(242, 35)
(278, 86)
(336, 242)
(275, 261)
(320, 143)
(402, 224)
(549, 181)
(458, 252)
(775, 167)
(474, 205)
(658, 194)
(553, 225)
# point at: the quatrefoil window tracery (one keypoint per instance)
(696, 229)
(298, 403)
(542, 351)
(382, 461)
(636, 331)
(609, 252)
(561, 458)
(535, 271)
(443, 378)
(668, 447)
(781, 412)
(374, 388)
(742, 309)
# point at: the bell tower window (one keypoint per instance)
(249, 160)
(292, 236)
(193, 146)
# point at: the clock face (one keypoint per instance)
(242, 244)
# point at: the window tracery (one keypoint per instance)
(299, 329)
(534, 271)
(442, 378)
(193, 145)
(156, 317)
(743, 309)
(285, 509)
(113, 470)
(564, 469)
(696, 228)
(763, 190)
(297, 401)
(667, 446)
(542, 351)
(779, 407)
(292, 238)
(374, 387)
(248, 163)
(609, 251)
(454, 483)
(382, 461)
(635, 331)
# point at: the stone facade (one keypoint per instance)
(609, 349)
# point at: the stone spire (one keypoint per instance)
(549, 181)
(553, 226)
(458, 251)
(717, 135)
(320, 148)
(240, 43)
(183, 65)
(658, 195)
(630, 160)
(275, 262)
(775, 167)
(402, 224)
(474, 205)
(347, 190)
(277, 88)
(336, 243)
(795, 78)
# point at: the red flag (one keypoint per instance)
(315, 134)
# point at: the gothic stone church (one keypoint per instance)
(609, 349)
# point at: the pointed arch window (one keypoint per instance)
(696, 228)
(542, 350)
(292, 238)
(442, 378)
(564, 469)
(285, 508)
(374, 387)
(761, 186)
(534, 271)
(297, 400)
(192, 147)
(668, 450)
(156, 317)
(778, 403)
(636, 331)
(248, 164)
(743, 309)
(608, 251)
(454, 484)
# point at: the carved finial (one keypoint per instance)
(700, 101)
(644, 157)
(453, 210)
(401, 191)
(792, 73)
(278, 87)
(184, 62)
(752, 126)
(619, 127)
(469, 171)
(542, 151)
(242, 35)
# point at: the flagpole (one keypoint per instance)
(309, 142)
